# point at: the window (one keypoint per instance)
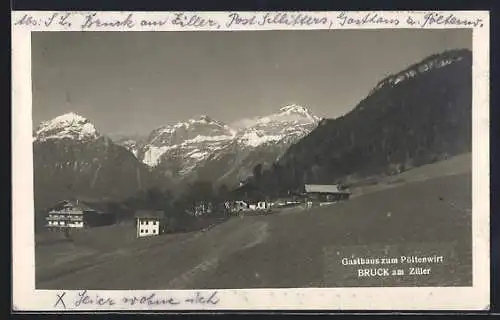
(142, 231)
(146, 230)
(154, 223)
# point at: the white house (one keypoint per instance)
(150, 223)
(262, 205)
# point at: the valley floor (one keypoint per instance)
(291, 248)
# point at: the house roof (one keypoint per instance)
(324, 188)
(149, 214)
(82, 205)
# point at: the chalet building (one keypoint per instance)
(325, 193)
(78, 214)
(150, 223)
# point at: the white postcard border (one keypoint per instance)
(26, 298)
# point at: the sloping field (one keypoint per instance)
(296, 249)
(460, 164)
(300, 247)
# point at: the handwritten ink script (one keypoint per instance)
(85, 299)
(279, 18)
(368, 18)
(424, 20)
(433, 18)
(232, 20)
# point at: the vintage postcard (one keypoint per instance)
(250, 160)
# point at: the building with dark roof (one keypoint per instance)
(326, 192)
(78, 214)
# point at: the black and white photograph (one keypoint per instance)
(263, 159)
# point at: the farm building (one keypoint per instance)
(78, 214)
(326, 193)
(150, 223)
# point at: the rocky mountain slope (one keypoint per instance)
(206, 149)
(71, 158)
(176, 151)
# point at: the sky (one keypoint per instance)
(133, 82)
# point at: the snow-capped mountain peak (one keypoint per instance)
(290, 122)
(205, 118)
(69, 117)
(67, 126)
(294, 109)
(287, 115)
(298, 110)
(201, 132)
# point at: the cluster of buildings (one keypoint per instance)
(75, 214)
(310, 195)
(78, 214)
(239, 206)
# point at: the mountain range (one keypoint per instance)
(74, 158)
(416, 116)
(209, 150)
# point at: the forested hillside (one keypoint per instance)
(418, 116)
